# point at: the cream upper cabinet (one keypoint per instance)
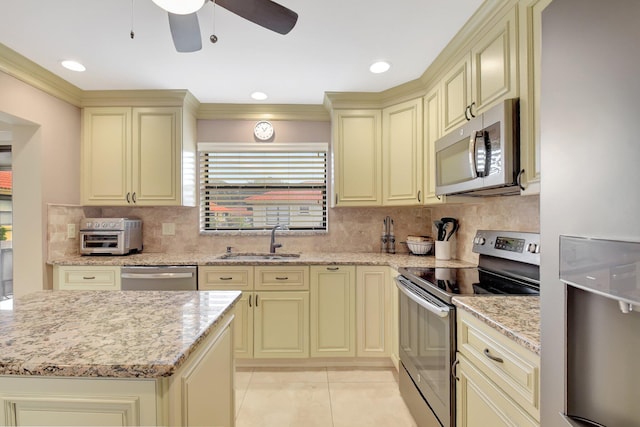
(333, 307)
(137, 156)
(499, 380)
(530, 40)
(402, 153)
(432, 131)
(357, 144)
(485, 75)
(373, 312)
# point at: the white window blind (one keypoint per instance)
(256, 186)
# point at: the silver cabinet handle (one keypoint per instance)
(494, 358)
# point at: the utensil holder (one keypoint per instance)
(443, 249)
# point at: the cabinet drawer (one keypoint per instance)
(282, 278)
(512, 367)
(225, 278)
(87, 278)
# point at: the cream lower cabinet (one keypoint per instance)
(332, 311)
(199, 393)
(272, 316)
(498, 380)
(373, 311)
(86, 278)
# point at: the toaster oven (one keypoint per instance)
(110, 236)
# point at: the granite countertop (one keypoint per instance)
(143, 334)
(341, 258)
(517, 317)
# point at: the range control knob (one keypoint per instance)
(533, 248)
(479, 240)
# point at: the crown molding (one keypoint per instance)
(295, 112)
(16, 65)
(138, 98)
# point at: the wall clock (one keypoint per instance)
(263, 130)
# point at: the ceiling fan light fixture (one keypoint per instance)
(379, 67)
(73, 65)
(180, 7)
(259, 96)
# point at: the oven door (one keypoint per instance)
(102, 242)
(427, 347)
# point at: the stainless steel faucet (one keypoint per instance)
(273, 246)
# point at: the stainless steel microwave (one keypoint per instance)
(481, 157)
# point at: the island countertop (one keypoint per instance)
(118, 334)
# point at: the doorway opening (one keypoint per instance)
(6, 224)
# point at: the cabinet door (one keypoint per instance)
(373, 312)
(332, 311)
(494, 64)
(106, 152)
(432, 131)
(530, 53)
(86, 278)
(480, 403)
(243, 326)
(357, 147)
(281, 325)
(156, 156)
(456, 94)
(402, 153)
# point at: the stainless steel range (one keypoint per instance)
(509, 264)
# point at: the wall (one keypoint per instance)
(46, 169)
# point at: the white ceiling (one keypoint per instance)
(330, 49)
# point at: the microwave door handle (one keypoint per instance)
(472, 156)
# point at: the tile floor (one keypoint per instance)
(322, 397)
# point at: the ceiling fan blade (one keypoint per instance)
(265, 13)
(185, 32)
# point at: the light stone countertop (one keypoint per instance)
(517, 317)
(121, 334)
(341, 258)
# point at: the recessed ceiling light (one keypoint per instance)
(259, 96)
(73, 65)
(379, 67)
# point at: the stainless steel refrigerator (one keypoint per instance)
(590, 189)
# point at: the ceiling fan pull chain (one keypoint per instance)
(132, 34)
(213, 37)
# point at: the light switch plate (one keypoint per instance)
(168, 229)
(71, 231)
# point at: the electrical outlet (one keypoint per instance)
(168, 229)
(71, 231)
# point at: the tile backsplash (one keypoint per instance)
(350, 229)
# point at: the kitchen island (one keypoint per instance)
(117, 358)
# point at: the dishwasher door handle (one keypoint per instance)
(156, 275)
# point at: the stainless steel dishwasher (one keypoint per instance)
(159, 278)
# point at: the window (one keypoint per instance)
(246, 186)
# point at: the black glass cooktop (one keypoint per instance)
(448, 282)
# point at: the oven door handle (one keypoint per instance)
(427, 305)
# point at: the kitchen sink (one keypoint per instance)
(259, 257)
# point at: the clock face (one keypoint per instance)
(263, 130)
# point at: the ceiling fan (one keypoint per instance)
(185, 30)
